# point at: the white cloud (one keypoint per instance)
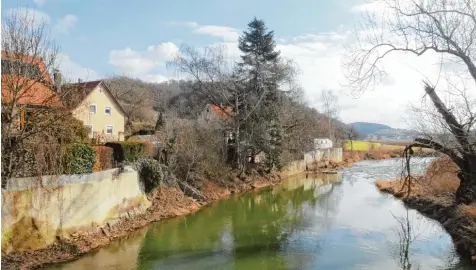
(63, 25)
(72, 71)
(39, 2)
(141, 64)
(370, 6)
(228, 34)
(35, 16)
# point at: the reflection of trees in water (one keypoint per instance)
(406, 237)
(258, 225)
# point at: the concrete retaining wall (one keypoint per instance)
(293, 168)
(37, 211)
(331, 154)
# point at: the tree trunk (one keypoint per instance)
(466, 193)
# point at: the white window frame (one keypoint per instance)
(92, 129)
(110, 110)
(112, 130)
(95, 108)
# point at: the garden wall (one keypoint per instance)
(38, 211)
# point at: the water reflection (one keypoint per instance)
(406, 237)
(307, 222)
(238, 233)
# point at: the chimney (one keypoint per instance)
(57, 80)
(79, 80)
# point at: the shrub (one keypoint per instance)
(150, 173)
(149, 150)
(127, 151)
(79, 159)
(104, 158)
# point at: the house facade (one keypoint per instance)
(94, 105)
(322, 143)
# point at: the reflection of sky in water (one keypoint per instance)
(305, 223)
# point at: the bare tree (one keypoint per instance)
(351, 135)
(30, 107)
(417, 27)
(331, 110)
(133, 98)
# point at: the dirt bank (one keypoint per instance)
(433, 195)
(167, 202)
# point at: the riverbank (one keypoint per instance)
(167, 202)
(433, 195)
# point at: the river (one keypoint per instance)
(308, 222)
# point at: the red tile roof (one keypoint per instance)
(32, 92)
(222, 113)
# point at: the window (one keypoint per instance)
(107, 110)
(109, 130)
(92, 109)
(100, 90)
(90, 129)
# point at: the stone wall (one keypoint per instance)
(37, 211)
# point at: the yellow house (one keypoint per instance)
(93, 103)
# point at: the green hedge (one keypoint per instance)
(78, 159)
(150, 173)
(127, 151)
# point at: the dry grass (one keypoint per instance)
(440, 180)
(398, 187)
(467, 210)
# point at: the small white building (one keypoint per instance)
(322, 143)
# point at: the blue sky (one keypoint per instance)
(136, 38)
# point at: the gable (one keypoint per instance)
(101, 97)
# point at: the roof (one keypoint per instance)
(223, 112)
(75, 93)
(36, 91)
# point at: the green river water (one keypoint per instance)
(308, 222)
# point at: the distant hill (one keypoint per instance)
(365, 128)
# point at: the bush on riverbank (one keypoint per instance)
(150, 173)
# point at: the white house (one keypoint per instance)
(322, 143)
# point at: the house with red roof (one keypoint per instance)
(26, 86)
(93, 103)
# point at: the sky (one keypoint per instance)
(102, 38)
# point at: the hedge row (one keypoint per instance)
(127, 151)
(78, 159)
(104, 158)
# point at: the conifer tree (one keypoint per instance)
(258, 72)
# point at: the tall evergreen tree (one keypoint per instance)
(259, 74)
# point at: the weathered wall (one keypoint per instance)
(37, 211)
(331, 154)
(293, 168)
